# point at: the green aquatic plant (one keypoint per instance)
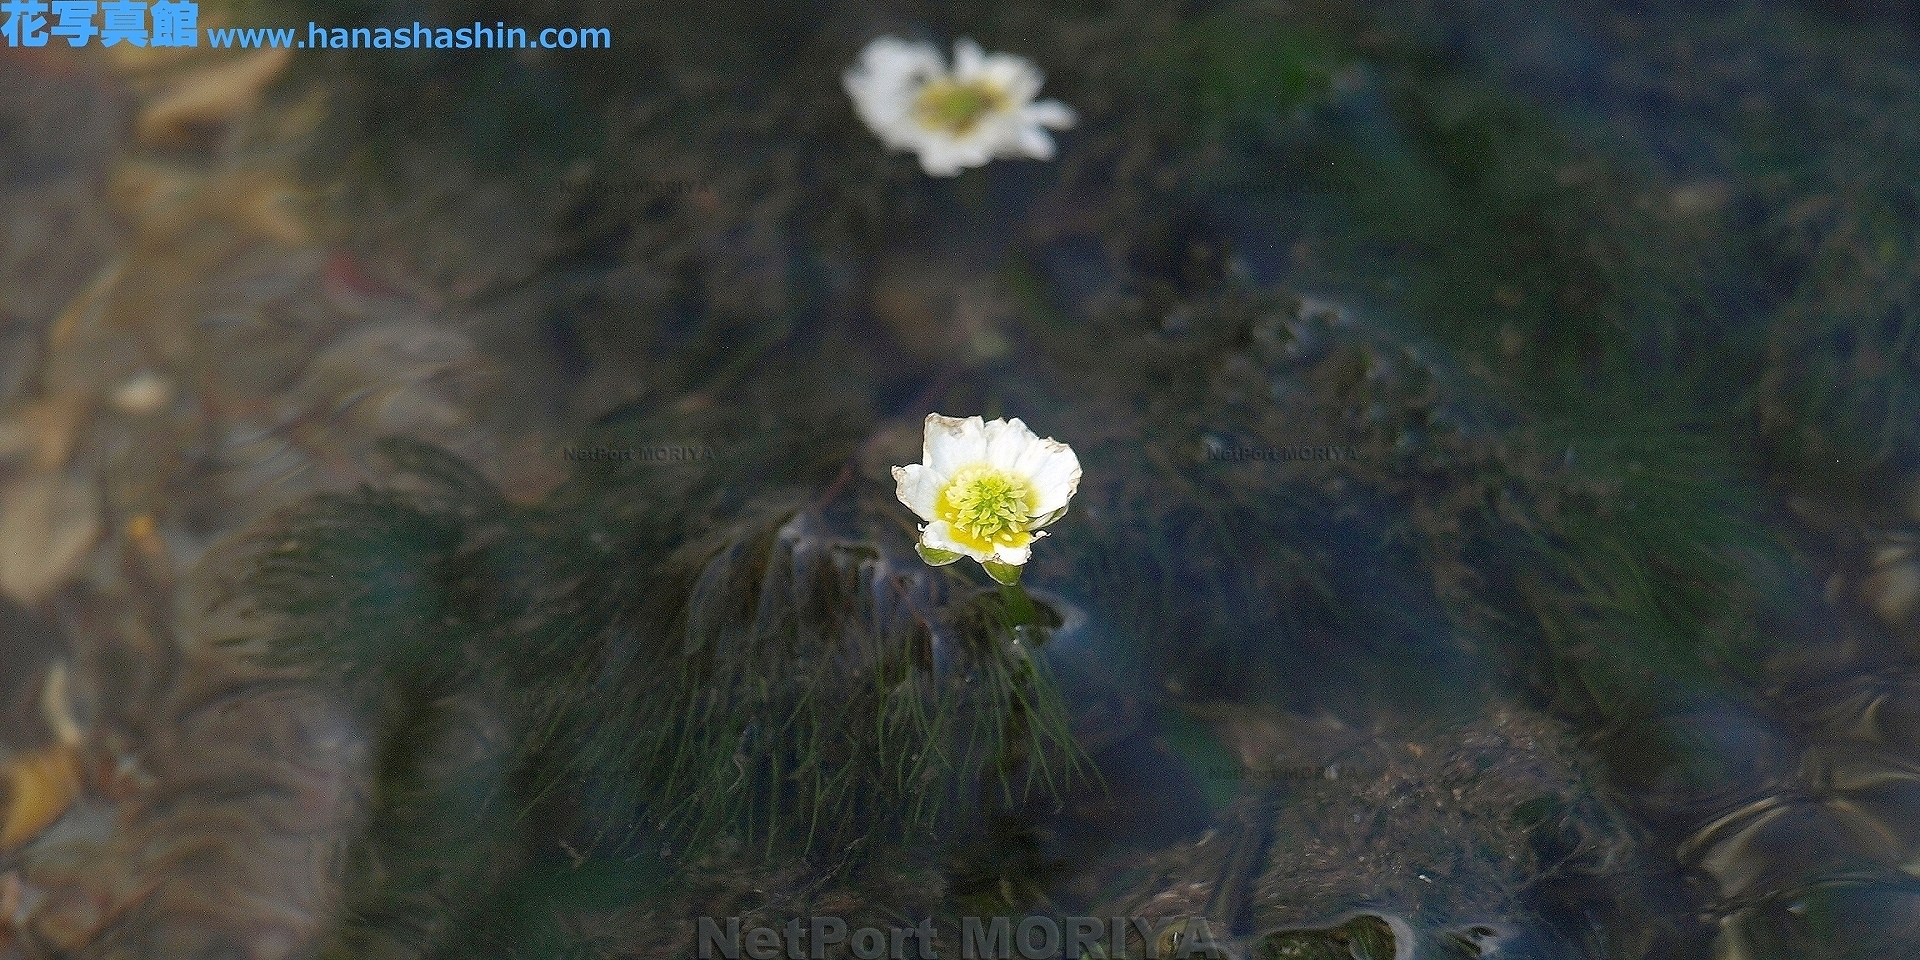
(384, 592)
(1832, 163)
(608, 677)
(1543, 387)
(1574, 389)
(1544, 251)
(1452, 548)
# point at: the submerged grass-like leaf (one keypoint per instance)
(571, 678)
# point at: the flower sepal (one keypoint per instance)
(934, 556)
(1049, 518)
(1006, 574)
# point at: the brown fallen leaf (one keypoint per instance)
(54, 424)
(48, 523)
(166, 201)
(161, 200)
(211, 96)
(40, 787)
(84, 312)
(266, 205)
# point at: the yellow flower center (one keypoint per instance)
(955, 108)
(987, 507)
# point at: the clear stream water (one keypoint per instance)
(1497, 536)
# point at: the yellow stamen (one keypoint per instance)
(987, 508)
(956, 108)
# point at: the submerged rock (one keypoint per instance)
(1459, 841)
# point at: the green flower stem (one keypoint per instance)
(1020, 609)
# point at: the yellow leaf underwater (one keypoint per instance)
(40, 787)
(212, 96)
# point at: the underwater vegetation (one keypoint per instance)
(1607, 410)
(768, 683)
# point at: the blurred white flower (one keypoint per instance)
(983, 108)
(985, 490)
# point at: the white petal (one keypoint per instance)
(893, 61)
(973, 150)
(1008, 445)
(952, 443)
(1007, 144)
(939, 161)
(968, 59)
(895, 130)
(939, 536)
(1034, 143)
(1055, 477)
(1013, 556)
(917, 487)
(1017, 77)
(882, 86)
(1049, 113)
(874, 99)
(1027, 456)
(943, 156)
(884, 83)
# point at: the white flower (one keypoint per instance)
(985, 490)
(983, 108)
